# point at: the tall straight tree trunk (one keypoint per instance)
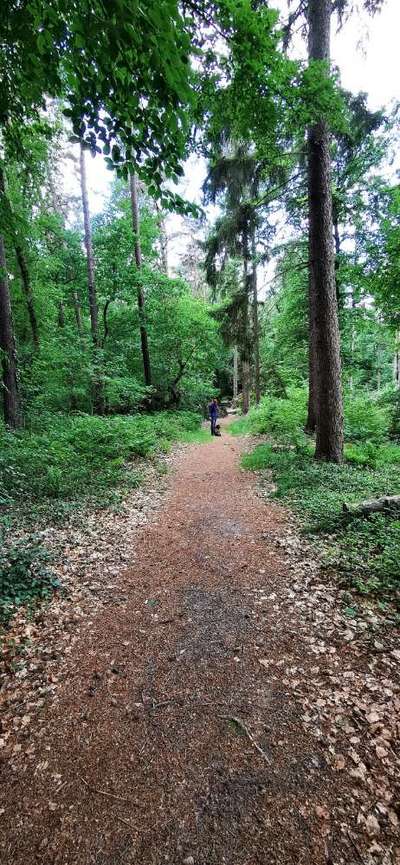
(24, 270)
(235, 373)
(77, 312)
(324, 313)
(27, 288)
(256, 329)
(311, 421)
(9, 384)
(97, 384)
(11, 403)
(140, 296)
(245, 385)
(245, 349)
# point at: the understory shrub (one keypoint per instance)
(282, 418)
(67, 457)
(25, 577)
(389, 399)
(365, 420)
(363, 550)
(372, 455)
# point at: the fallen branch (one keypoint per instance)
(102, 792)
(363, 509)
(248, 734)
(355, 848)
(124, 821)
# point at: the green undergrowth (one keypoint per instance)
(66, 458)
(363, 550)
(197, 436)
(61, 466)
(26, 578)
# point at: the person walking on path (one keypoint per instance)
(213, 412)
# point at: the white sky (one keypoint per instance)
(366, 51)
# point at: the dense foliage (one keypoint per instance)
(363, 550)
(107, 352)
(71, 457)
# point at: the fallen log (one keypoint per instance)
(363, 509)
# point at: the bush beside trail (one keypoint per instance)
(67, 457)
(59, 466)
(363, 550)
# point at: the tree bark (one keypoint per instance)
(311, 421)
(77, 312)
(235, 373)
(245, 385)
(97, 383)
(364, 509)
(11, 402)
(324, 314)
(23, 267)
(27, 288)
(140, 295)
(176, 395)
(245, 348)
(256, 330)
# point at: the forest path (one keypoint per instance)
(177, 736)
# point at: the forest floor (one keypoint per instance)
(217, 709)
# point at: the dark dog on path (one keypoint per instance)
(217, 430)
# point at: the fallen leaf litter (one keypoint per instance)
(209, 704)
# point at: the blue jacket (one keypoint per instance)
(213, 409)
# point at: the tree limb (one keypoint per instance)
(364, 509)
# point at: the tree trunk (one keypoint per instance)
(235, 373)
(245, 385)
(324, 314)
(97, 383)
(311, 421)
(11, 403)
(23, 267)
(77, 312)
(256, 330)
(245, 349)
(27, 288)
(140, 295)
(11, 400)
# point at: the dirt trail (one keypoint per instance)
(174, 738)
